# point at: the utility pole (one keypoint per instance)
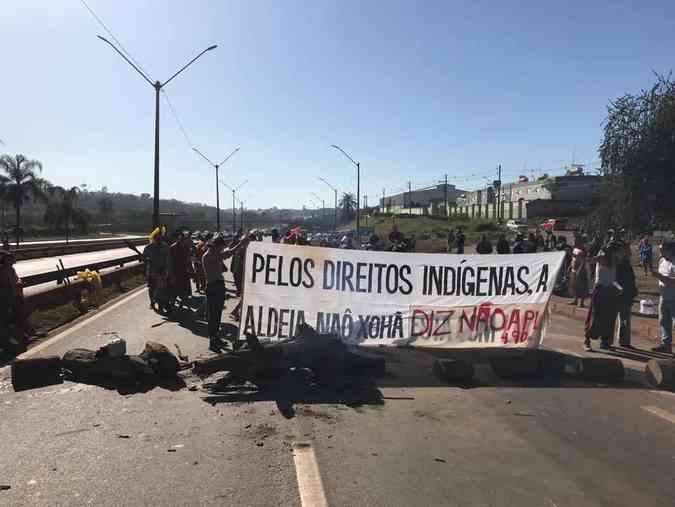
(447, 211)
(242, 215)
(409, 197)
(158, 87)
(216, 166)
(499, 193)
(383, 201)
(234, 215)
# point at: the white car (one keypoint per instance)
(516, 226)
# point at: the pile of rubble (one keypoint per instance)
(108, 365)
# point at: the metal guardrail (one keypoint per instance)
(59, 275)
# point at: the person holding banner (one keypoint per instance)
(212, 261)
(460, 239)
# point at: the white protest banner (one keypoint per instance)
(386, 298)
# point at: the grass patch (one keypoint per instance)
(47, 318)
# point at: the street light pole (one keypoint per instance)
(157, 86)
(216, 166)
(234, 191)
(358, 190)
(336, 203)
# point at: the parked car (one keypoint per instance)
(516, 226)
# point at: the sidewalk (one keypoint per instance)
(646, 327)
(566, 334)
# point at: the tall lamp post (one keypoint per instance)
(157, 86)
(234, 198)
(217, 180)
(323, 205)
(358, 190)
(336, 204)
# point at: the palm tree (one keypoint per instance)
(22, 183)
(347, 205)
(64, 212)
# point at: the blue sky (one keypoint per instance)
(413, 90)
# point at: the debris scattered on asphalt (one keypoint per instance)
(247, 426)
(181, 356)
(524, 414)
(5, 487)
(171, 450)
(178, 446)
(508, 402)
(374, 454)
(440, 460)
(123, 436)
(96, 425)
(32, 482)
(260, 444)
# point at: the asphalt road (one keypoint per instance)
(425, 443)
(46, 264)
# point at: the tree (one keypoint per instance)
(3, 201)
(106, 205)
(22, 183)
(62, 211)
(638, 159)
(347, 205)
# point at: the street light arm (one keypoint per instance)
(228, 157)
(188, 64)
(331, 186)
(345, 154)
(203, 156)
(226, 185)
(244, 183)
(127, 60)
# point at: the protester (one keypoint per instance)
(156, 256)
(275, 236)
(665, 273)
(519, 244)
(412, 243)
(484, 246)
(5, 241)
(198, 270)
(347, 241)
(625, 277)
(604, 300)
(562, 282)
(212, 262)
(531, 243)
(180, 269)
(12, 332)
(503, 245)
(646, 254)
(373, 242)
(578, 277)
(451, 240)
(459, 241)
(395, 237)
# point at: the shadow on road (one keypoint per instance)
(294, 388)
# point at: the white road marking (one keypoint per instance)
(50, 341)
(659, 412)
(309, 478)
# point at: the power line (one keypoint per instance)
(112, 35)
(175, 116)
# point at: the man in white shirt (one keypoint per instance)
(666, 277)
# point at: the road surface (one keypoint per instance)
(424, 443)
(46, 264)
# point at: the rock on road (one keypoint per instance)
(496, 443)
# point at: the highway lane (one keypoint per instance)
(81, 240)
(46, 264)
(492, 443)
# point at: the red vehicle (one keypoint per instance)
(554, 224)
